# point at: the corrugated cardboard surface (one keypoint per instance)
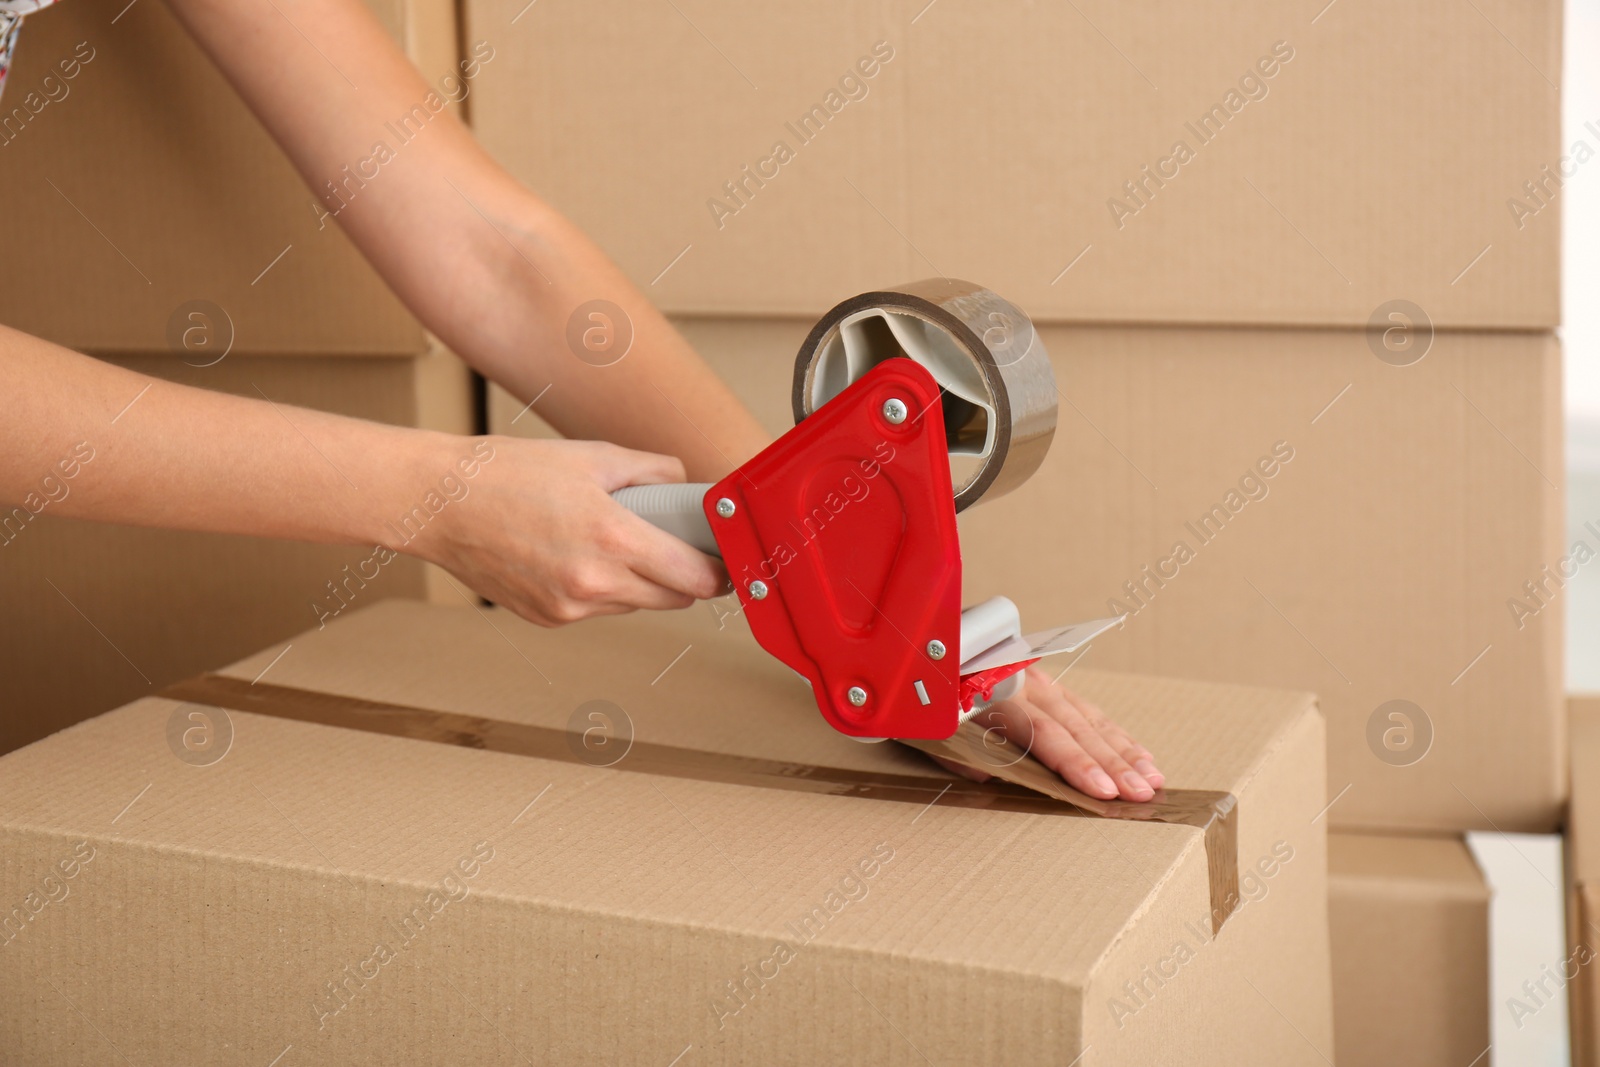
(618, 908)
(102, 614)
(1582, 857)
(1381, 564)
(145, 183)
(1409, 921)
(1376, 163)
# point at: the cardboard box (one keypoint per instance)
(1582, 847)
(1408, 918)
(760, 159)
(1387, 560)
(142, 189)
(104, 614)
(357, 896)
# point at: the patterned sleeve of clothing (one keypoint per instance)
(11, 12)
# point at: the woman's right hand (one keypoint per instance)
(537, 531)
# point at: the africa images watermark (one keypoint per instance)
(1253, 485)
(53, 888)
(340, 191)
(1139, 191)
(52, 89)
(829, 506)
(53, 489)
(1542, 589)
(347, 586)
(352, 980)
(852, 87)
(1544, 187)
(1254, 885)
(739, 993)
(1536, 995)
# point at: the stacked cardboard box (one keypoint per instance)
(1298, 274)
(1583, 885)
(1408, 919)
(619, 842)
(166, 232)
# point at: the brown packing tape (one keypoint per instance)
(983, 749)
(1026, 786)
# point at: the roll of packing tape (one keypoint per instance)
(999, 392)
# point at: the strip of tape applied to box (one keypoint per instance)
(1025, 786)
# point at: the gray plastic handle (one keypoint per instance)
(675, 508)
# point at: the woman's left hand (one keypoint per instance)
(1073, 738)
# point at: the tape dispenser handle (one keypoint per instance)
(675, 508)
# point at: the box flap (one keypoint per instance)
(1404, 866)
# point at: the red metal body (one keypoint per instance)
(849, 523)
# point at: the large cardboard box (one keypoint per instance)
(631, 840)
(1583, 883)
(103, 614)
(142, 190)
(1408, 918)
(1200, 163)
(1373, 533)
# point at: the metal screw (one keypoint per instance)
(725, 508)
(894, 410)
(936, 650)
(857, 695)
(758, 589)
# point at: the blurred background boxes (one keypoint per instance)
(1338, 158)
(1408, 919)
(136, 194)
(165, 231)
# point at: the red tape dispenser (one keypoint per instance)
(841, 537)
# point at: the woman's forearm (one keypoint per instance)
(87, 439)
(486, 265)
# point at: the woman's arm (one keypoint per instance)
(484, 263)
(528, 524)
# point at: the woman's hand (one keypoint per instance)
(1073, 738)
(538, 533)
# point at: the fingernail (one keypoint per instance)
(1151, 775)
(1136, 785)
(1102, 783)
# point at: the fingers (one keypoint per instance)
(1135, 753)
(663, 560)
(1037, 733)
(614, 467)
(1130, 750)
(1075, 739)
(1060, 751)
(656, 558)
(1129, 783)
